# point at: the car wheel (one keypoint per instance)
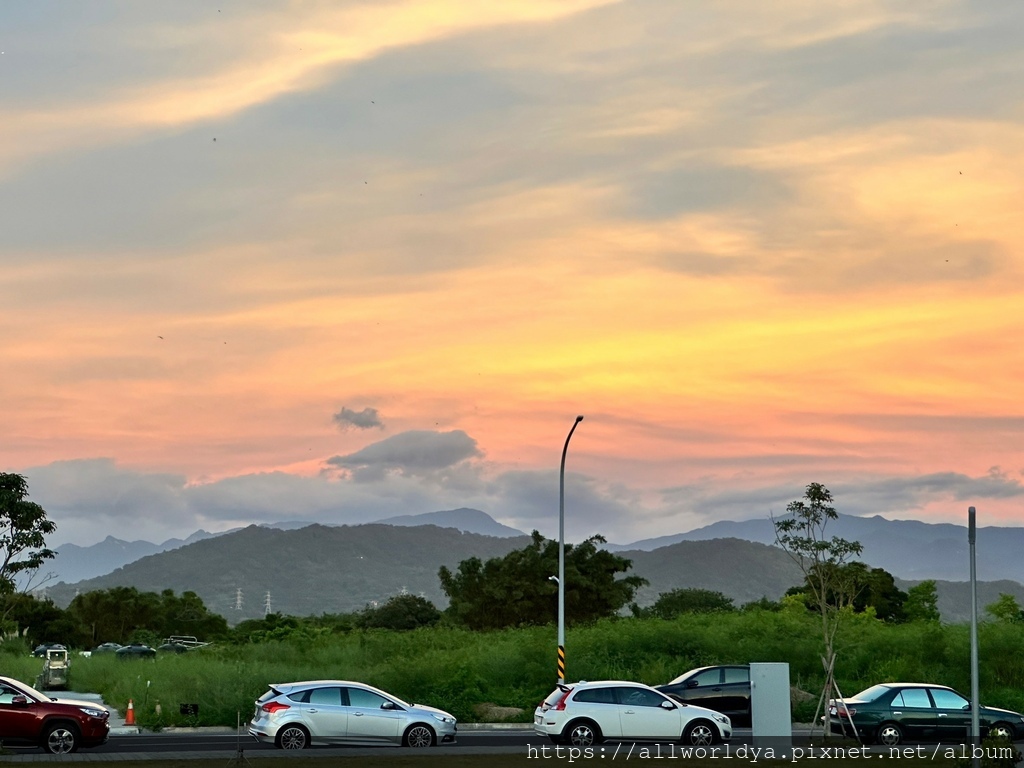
(889, 734)
(60, 739)
(292, 737)
(418, 736)
(1001, 731)
(581, 734)
(699, 733)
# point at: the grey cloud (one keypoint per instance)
(415, 452)
(368, 418)
(861, 495)
(91, 498)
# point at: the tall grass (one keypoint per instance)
(458, 669)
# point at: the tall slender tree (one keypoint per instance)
(802, 534)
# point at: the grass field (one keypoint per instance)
(457, 669)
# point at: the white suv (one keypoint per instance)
(585, 713)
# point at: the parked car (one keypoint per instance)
(891, 712)
(135, 651)
(59, 726)
(724, 688)
(296, 715)
(172, 648)
(107, 648)
(587, 713)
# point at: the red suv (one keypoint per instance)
(57, 725)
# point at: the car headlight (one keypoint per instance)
(444, 718)
(722, 719)
(92, 712)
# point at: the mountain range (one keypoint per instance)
(908, 549)
(309, 568)
(339, 569)
(75, 563)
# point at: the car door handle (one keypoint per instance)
(358, 714)
(942, 714)
(630, 712)
(897, 713)
(312, 710)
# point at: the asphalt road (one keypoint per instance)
(203, 743)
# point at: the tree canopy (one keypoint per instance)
(677, 602)
(23, 531)
(399, 612)
(922, 603)
(121, 614)
(517, 589)
(859, 587)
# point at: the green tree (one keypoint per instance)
(669, 605)
(119, 614)
(188, 615)
(43, 621)
(762, 604)
(922, 603)
(1006, 608)
(803, 536)
(516, 589)
(23, 531)
(859, 587)
(400, 612)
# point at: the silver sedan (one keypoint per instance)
(296, 715)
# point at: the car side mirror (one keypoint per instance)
(388, 705)
(20, 701)
(667, 705)
(692, 684)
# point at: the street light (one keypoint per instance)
(561, 556)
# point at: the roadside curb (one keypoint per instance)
(133, 730)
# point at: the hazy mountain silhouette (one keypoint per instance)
(75, 563)
(908, 549)
(464, 519)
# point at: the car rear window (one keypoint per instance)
(595, 696)
(872, 693)
(737, 675)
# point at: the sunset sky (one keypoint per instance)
(336, 261)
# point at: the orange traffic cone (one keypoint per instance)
(129, 716)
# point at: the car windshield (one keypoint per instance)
(872, 693)
(398, 701)
(683, 676)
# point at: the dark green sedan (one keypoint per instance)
(893, 712)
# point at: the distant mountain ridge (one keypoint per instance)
(75, 563)
(305, 571)
(339, 569)
(908, 549)
(463, 519)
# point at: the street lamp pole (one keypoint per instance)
(561, 556)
